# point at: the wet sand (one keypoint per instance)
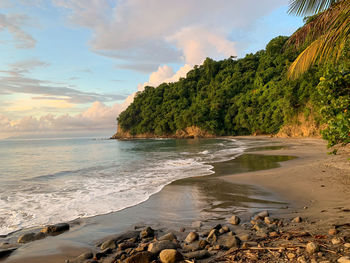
(283, 190)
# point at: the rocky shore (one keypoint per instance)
(263, 239)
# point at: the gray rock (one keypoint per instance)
(193, 246)
(158, 246)
(142, 257)
(108, 244)
(26, 238)
(55, 229)
(200, 254)
(39, 236)
(262, 215)
(147, 232)
(169, 236)
(192, 236)
(234, 220)
(311, 247)
(228, 241)
(170, 256)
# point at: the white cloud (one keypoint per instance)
(13, 23)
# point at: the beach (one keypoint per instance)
(287, 177)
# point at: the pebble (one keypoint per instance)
(192, 236)
(336, 241)
(291, 255)
(311, 247)
(234, 220)
(333, 231)
(297, 219)
(347, 245)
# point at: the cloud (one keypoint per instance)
(164, 31)
(98, 117)
(15, 80)
(13, 23)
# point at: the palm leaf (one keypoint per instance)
(306, 7)
(327, 44)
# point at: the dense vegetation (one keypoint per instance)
(251, 95)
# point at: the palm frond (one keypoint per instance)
(327, 44)
(307, 7)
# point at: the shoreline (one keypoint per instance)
(269, 180)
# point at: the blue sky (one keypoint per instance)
(69, 65)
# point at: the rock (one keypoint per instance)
(291, 256)
(169, 236)
(192, 236)
(344, 260)
(234, 220)
(202, 244)
(301, 259)
(262, 215)
(244, 237)
(297, 219)
(108, 244)
(158, 246)
(226, 229)
(213, 235)
(103, 253)
(228, 241)
(333, 231)
(55, 229)
(191, 246)
(268, 220)
(311, 247)
(6, 251)
(259, 226)
(147, 232)
(197, 224)
(83, 257)
(273, 234)
(142, 257)
(347, 245)
(125, 245)
(170, 256)
(200, 254)
(39, 236)
(217, 227)
(336, 241)
(26, 238)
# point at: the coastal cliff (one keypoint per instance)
(187, 133)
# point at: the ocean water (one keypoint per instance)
(57, 180)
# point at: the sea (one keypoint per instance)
(44, 181)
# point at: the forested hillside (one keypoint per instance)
(246, 96)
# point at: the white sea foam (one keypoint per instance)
(108, 186)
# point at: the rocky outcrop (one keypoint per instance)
(187, 133)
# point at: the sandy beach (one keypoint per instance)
(314, 186)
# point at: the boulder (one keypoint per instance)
(234, 220)
(192, 236)
(200, 254)
(158, 246)
(169, 236)
(142, 257)
(170, 256)
(55, 229)
(26, 238)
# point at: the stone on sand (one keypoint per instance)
(170, 256)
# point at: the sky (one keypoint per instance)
(71, 66)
